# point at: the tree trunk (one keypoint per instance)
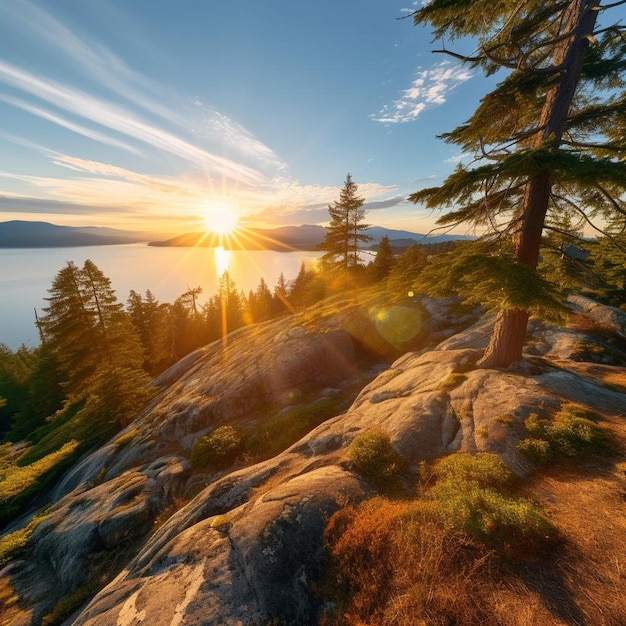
(509, 332)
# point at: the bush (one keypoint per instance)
(218, 450)
(272, 436)
(376, 459)
(18, 483)
(432, 560)
(537, 450)
(360, 541)
(453, 380)
(570, 433)
(474, 496)
(483, 470)
(14, 543)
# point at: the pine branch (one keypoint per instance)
(610, 6)
(596, 146)
(456, 55)
(586, 219)
(611, 200)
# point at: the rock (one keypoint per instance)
(247, 549)
(264, 560)
(607, 317)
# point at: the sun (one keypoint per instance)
(221, 219)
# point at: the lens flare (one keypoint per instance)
(222, 257)
(398, 325)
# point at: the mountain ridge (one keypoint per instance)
(39, 234)
(303, 237)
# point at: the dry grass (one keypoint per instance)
(10, 610)
(588, 508)
(394, 564)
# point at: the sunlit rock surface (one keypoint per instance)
(247, 548)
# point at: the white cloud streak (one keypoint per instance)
(95, 61)
(122, 120)
(102, 68)
(429, 88)
(65, 123)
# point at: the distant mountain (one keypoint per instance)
(285, 238)
(24, 234)
(405, 238)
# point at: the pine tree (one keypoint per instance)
(260, 303)
(346, 228)
(95, 343)
(149, 319)
(548, 141)
(281, 296)
(384, 259)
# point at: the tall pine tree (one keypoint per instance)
(346, 228)
(95, 343)
(548, 141)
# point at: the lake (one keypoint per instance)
(27, 274)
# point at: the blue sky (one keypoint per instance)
(154, 114)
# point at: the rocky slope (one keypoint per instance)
(146, 540)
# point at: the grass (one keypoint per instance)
(436, 559)
(377, 460)
(18, 483)
(221, 522)
(570, 432)
(65, 607)
(70, 424)
(55, 447)
(14, 543)
(270, 437)
(453, 380)
(125, 439)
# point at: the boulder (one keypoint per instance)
(248, 548)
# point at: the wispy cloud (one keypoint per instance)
(122, 120)
(288, 202)
(96, 62)
(213, 160)
(96, 186)
(210, 124)
(429, 88)
(136, 114)
(65, 123)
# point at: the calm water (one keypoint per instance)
(26, 275)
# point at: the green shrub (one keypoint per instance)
(123, 440)
(537, 450)
(483, 470)
(271, 436)
(474, 493)
(490, 515)
(453, 380)
(218, 450)
(376, 459)
(14, 543)
(570, 432)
